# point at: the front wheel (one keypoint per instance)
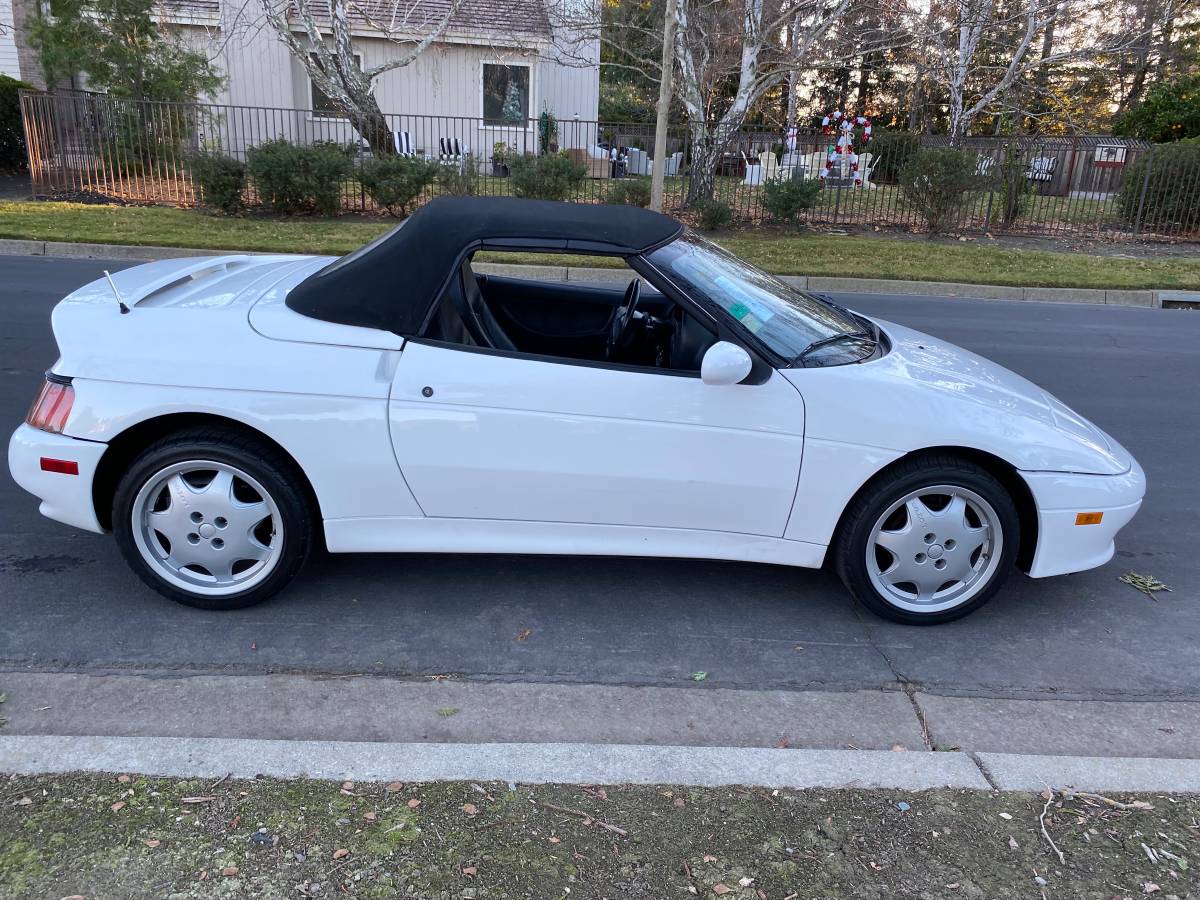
(212, 519)
(929, 541)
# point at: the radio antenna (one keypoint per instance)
(120, 301)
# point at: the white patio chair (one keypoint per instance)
(670, 166)
(638, 162)
(1042, 168)
(769, 164)
(450, 152)
(403, 143)
(754, 173)
(985, 166)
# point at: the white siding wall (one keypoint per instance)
(8, 43)
(444, 82)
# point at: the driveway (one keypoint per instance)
(70, 604)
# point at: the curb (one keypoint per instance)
(1147, 299)
(589, 764)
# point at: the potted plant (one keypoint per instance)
(500, 156)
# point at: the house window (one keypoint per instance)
(321, 104)
(505, 94)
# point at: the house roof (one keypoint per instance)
(495, 18)
(526, 19)
(394, 282)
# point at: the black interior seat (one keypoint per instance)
(478, 309)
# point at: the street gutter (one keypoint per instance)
(1153, 299)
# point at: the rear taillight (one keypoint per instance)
(52, 406)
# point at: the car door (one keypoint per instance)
(487, 435)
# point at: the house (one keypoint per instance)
(16, 57)
(498, 65)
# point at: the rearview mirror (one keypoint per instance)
(725, 363)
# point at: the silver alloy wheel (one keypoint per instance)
(207, 527)
(934, 548)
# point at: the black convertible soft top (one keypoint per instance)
(393, 282)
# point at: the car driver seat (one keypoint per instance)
(478, 317)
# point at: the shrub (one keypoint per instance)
(1172, 187)
(935, 182)
(12, 134)
(892, 149)
(220, 180)
(631, 192)
(1014, 189)
(1169, 112)
(550, 177)
(394, 182)
(459, 183)
(294, 178)
(713, 214)
(785, 198)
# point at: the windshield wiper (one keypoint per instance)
(863, 336)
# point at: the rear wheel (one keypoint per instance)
(929, 541)
(213, 519)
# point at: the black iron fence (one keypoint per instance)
(91, 145)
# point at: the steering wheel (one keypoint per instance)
(619, 331)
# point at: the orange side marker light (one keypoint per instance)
(1089, 518)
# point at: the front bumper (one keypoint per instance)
(65, 498)
(1064, 546)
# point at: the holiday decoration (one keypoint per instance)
(843, 150)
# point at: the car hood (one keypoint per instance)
(928, 392)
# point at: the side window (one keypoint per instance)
(568, 307)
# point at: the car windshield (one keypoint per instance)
(787, 320)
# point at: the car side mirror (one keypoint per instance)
(725, 363)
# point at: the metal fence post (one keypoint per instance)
(1137, 221)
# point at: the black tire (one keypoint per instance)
(256, 457)
(850, 550)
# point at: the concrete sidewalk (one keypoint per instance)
(372, 727)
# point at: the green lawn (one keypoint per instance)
(782, 253)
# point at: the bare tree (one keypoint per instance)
(985, 50)
(320, 33)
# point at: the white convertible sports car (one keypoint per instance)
(223, 416)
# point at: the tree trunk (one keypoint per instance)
(369, 121)
(706, 153)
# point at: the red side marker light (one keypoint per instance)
(62, 466)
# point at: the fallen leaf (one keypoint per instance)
(1147, 584)
(554, 840)
(197, 799)
(253, 645)
(523, 633)
(745, 882)
(700, 676)
(470, 809)
(229, 871)
(708, 858)
(447, 711)
(1150, 888)
(952, 886)
(898, 748)
(395, 787)
(123, 779)
(75, 897)
(1006, 816)
(152, 842)
(470, 871)
(1012, 844)
(24, 801)
(341, 853)
(679, 802)
(369, 816)
(118, 806)
(414, 803)
(784, 742)
(347, 785)
(720, 889)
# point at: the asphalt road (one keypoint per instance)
(68, 602)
